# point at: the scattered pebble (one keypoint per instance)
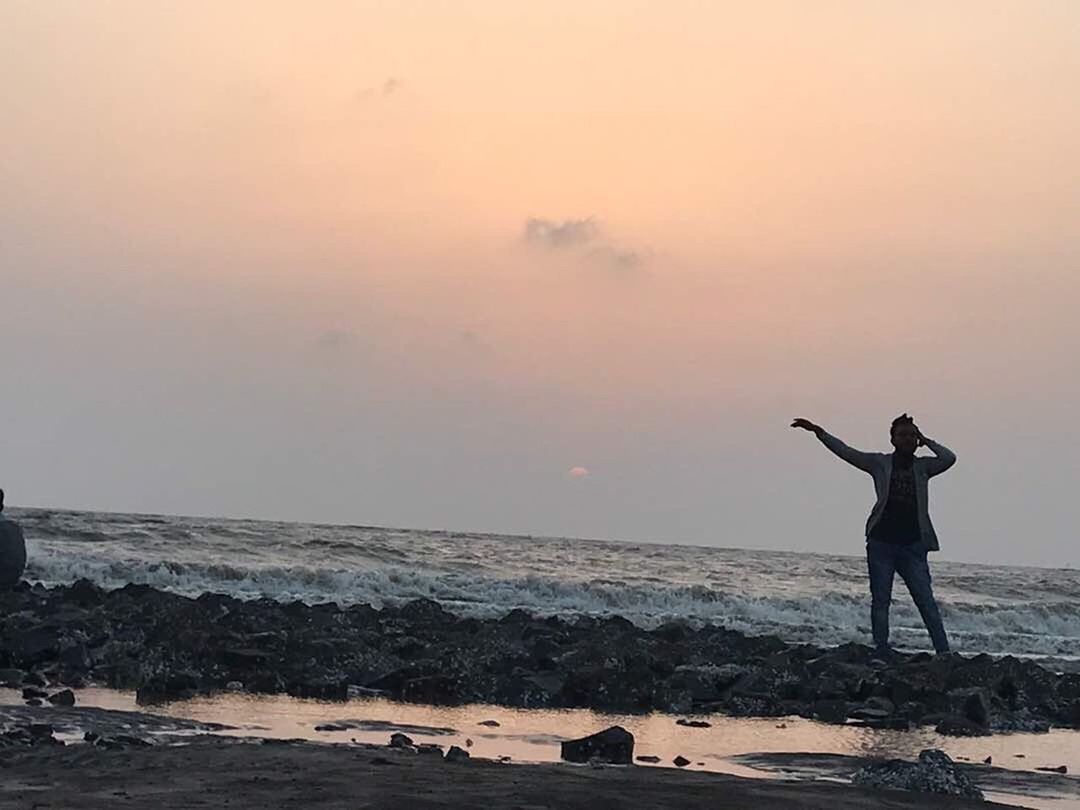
(1055, 769)
(489, 723)
(682, 721)
(647, 758)
(681, 761)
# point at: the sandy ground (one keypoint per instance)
(212, 772)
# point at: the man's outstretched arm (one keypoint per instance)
(943, 456)
(856, 458)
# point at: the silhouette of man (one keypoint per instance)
(899, 533)
(12, 549)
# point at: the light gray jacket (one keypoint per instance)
(879, 465)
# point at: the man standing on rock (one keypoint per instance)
(12, 549)
(898, 532)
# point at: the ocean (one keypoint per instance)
(800, 597)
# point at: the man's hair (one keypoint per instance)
(902, 419)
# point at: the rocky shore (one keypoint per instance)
(169, 647)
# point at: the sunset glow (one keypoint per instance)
(373, 250)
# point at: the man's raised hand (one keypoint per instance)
(806, 424)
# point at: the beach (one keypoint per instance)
(206, 658)
(216, 773)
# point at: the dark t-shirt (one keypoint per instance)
(899, 522)
(12, 552)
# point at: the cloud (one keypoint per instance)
(569, 233)
(618, 258)
(584, 235)
(388, 88)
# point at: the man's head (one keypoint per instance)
(904, 434)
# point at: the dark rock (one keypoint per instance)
(37, 644)
(455, 754)
(31, 692)
(325, 688)
(614, 745)
(425, 610)
(74, 657)
(830, 711)
(245, 658)
(63, 698)
(489, 723)
(35, 702)
(429, 748)
(166, 687)
(681, 761)
(170, 647)
(875, 708)
(85, 593)
(682, 721)
(934, 772)
(961, 727)
(333, 727)
(647, 758)
(399, 740)
(971, 703)
(1055, 769)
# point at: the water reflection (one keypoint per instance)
(534, 735)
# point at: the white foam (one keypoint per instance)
(824, 618)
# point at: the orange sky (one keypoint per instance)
(320, 215)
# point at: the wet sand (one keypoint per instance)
(214, 772)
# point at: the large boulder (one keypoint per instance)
(934, 772)
(614, 745)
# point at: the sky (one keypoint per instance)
(564, 268)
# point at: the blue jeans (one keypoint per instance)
(884, 561)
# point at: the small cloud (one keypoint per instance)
(619, 258)
(585, 235)
(568, 233)
(577, 472)
(388, 88)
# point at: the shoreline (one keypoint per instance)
(213, 772)
(168, 647)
